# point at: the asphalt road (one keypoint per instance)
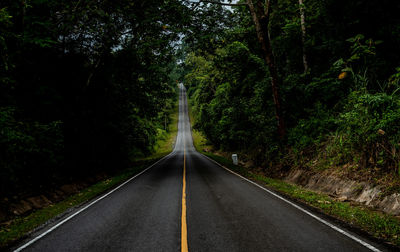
(186, 201)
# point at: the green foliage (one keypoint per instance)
(312, 130)
(370, 125)
(5, 23)
(362, 48)
(344, 103)
(84, 86)
(33, 144)
(393, 85)
(229, 100)
(107, 71)
(18, 227)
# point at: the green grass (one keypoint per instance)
(20, 226)
(380, 225)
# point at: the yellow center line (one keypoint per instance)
(184, 243)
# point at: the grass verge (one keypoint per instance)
(19, 227)
(166, 142)
(380, 225)
(199, 141)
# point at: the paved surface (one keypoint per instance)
(223, 213)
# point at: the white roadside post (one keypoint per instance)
(235, 159)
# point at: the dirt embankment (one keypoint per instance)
(347, 189)
(337, 183)
(22, 205)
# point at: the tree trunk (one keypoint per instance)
(303, 34)
(261, 20)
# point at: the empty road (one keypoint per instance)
(186, 202)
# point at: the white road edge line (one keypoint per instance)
(84, 208)
(365, 244)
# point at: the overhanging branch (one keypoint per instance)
(221, 3)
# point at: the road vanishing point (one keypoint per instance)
(187, 202)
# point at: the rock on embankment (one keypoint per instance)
(347, 190)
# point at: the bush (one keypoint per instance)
(313, 129)
(370, 123)
(30, 152)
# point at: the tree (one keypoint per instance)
(303, 34)
(260, 13)
(84, 85)
(261, 17)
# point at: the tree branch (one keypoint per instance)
(196, 4)
(221, 3)
(267, 8)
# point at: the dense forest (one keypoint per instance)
(305, 83)
(85, 86)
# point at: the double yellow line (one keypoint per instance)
(184, 242)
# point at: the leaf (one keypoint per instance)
(354, 57)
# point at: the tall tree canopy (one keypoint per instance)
(334, 65)
(84, 84)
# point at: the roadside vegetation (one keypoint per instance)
(339, 88)
(81, 99)
(166, 138)
(377, 224)
(80, 94)
(341, 110)
(20, 226)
